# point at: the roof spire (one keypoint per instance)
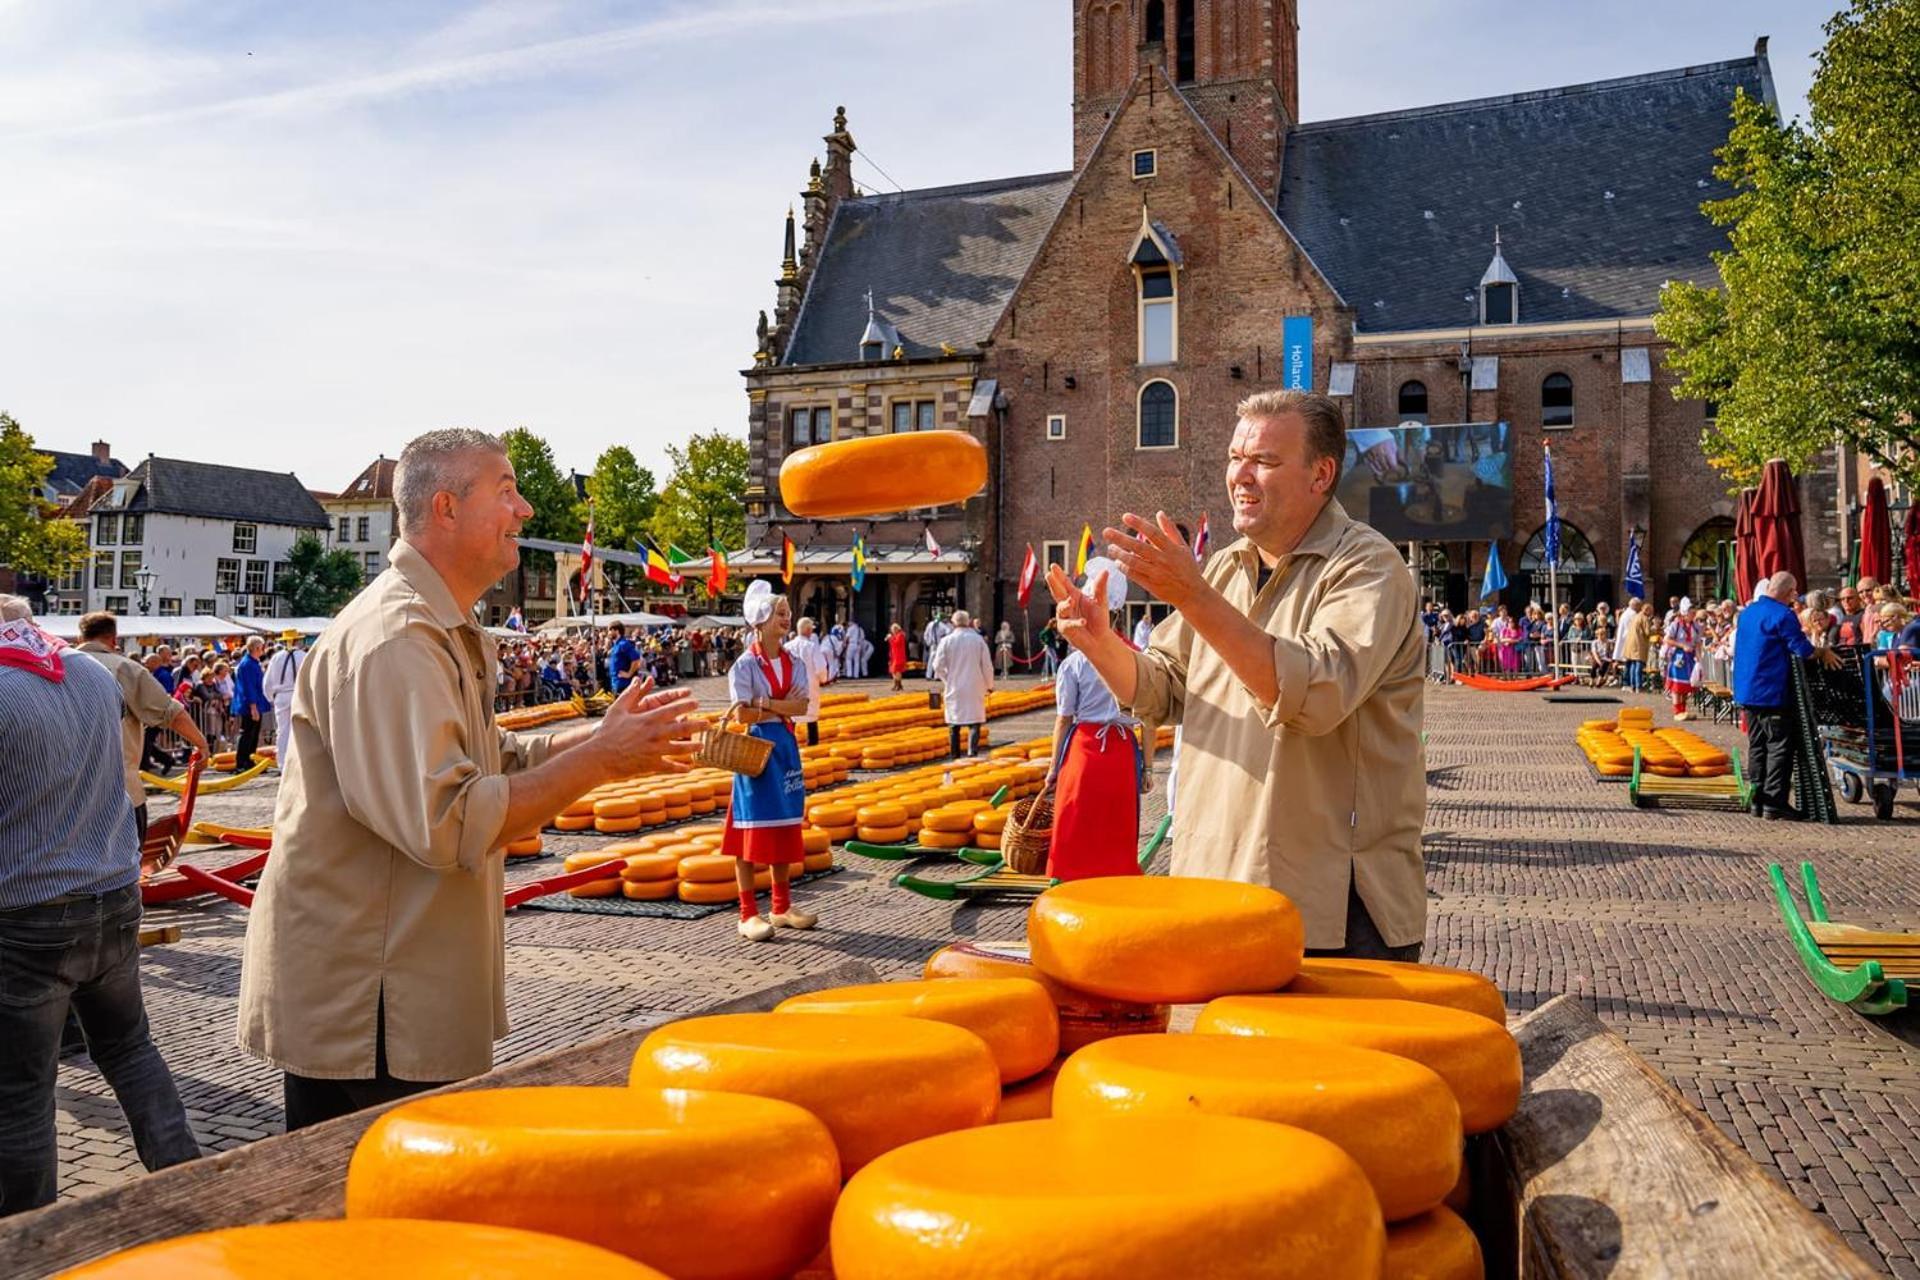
(1498, 272)
(789, 265)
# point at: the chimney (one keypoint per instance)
(102, 452)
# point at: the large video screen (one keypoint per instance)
(1422, 483)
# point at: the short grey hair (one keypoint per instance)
(1783, 583)
(15, 609)
(961, 618)
(428, 465)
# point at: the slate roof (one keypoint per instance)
(941, 262)
(71, 471)
(172, 486)
(1596, 189)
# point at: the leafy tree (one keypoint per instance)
(546, 489)
(623, 503)
(316, 582)
(1814, 335)
(701, 505)
(33, 540)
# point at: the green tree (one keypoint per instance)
(549, 492)
(1814, 334)
(316, 582)
(701, 505)
(623, 503)
(32, 539)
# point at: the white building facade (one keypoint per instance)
(364, 519)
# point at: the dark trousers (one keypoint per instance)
(81, 951)
(249, 739)
(1363, 937)
(151, 756)
(310, 1100)
(1770, 756)
(813, 733)
(953, 738)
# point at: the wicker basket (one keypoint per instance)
(1029, 834)
(721, 748)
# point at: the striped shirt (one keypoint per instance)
(65, 823)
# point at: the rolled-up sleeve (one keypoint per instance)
(1358, 628)
(520, 751)
(406, 769)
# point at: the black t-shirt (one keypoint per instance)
(1476, 632)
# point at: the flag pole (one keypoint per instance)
(593, 620)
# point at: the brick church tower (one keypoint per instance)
(1237, 61)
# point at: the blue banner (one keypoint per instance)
(1553, 514)
(1635, 584)
(1296, 353)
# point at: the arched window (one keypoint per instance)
(1413, 402)
(1156, 266)
(1159, 416)
(1556, 401)
(1183, 37)
(1576, 552)
(1156, 29)
(1703, 548)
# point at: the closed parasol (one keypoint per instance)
(1746, 551)
(1778, 542)
(1912, 552)
(1876, 534)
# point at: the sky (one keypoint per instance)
(292, 236)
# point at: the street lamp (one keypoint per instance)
(144, 579)
(52, 596)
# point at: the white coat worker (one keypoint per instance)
(964, 666)
(810, 657)
(853, 666)
(937, 630)
(283, 672)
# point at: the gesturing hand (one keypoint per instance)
(648, 732)
(1157, 557)
(1081, 616)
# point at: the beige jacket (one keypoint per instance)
(1329, 785)
(144, 704)
(1633, 635)
(385, 882)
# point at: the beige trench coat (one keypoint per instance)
(386, 878)
(1328, 786)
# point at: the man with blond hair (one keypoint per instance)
(1294, 663)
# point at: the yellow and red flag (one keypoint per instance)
(1085, 553)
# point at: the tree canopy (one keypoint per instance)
(32, 540)
(701, 505)
(1814, 334)
(557, 514)
(316, 582)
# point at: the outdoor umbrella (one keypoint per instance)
(1876, 534)
(1776, 524)
(1495, 578)
(1746, 555)
(1912, 555)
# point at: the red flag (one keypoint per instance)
(786, 559)
(932, 547)
(1029, 569)
(717, 574)
(586, 557)
(1200, 539)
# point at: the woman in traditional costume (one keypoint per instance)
(1683, 656)
(763, 826)
(1098, 769)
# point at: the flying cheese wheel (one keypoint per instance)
(1396, 1118)
(328, 1249)
(649, 890)
(1084, 1017)
(1213, 1196)
(871, 475)
(1165, 939)
(1015, 1017)
(1401, 980)
(1478, 1059)
(1433, 1246)
(643, 1172)
(707, 868)
(877, 1082)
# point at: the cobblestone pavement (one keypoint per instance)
(1540, 877)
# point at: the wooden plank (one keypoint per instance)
(1615, 1175)
(1854, 935)
(303, 1175)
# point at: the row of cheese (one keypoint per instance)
(652, 800)
(1676, 753)
(521, 718)
(934, 806)
(685, 863)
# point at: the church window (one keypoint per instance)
(1556, 401)
(1183, 38)
(1413, 402)
(1156, 29)
(1145, 163)
(1159, 416)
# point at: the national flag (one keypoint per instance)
(1201, 539)
(1029, 570)
(933, 548)
(717, 572)
(859, 561)
(676, 557)
(1636, 583)
(1553, 512)
(1085, 552)
(1494, 580)
(787, 558)
(658, 570)
(586, 557)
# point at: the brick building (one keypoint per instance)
(1493, 262)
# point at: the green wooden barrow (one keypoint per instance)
(1855, 966)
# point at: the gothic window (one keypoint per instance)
(1556, 401)
(1156, 29)
(1159, 416)
(1576, 551)
(1183, 37)
(1413, 402)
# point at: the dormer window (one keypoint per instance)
(1499, 289)
(880, 338)
(1156, 266)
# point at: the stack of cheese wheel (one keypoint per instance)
(1084, 1017)
(1201, 1195)
(648, 1173)
(619, 808)
(533, 717)
(1165, 939)
(876, 1081)
(1704, 760)
(709, 877)
(881, 823)
(1396, 1118)
(950, 826)
(1656, 756)
(1015, 1017)
(1475, 1055)
(1605, 748)
(838, 818)
(419, 1250)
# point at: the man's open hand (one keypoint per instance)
(1154, 555)
(1080, 616)
(648, 732)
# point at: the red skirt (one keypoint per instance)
(763, 846)
(1096, 805)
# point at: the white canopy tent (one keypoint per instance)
(67, 627)
(715, 622)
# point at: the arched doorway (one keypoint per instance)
(1706, 563)
(1580, 583)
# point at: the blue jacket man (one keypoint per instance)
(250, 702)
(1767, 640)
(623, 660)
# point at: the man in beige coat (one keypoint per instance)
(144, 705)
(1294, 664)
(375, 954)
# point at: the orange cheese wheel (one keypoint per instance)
(1015, 1017)
(329, 1249)
(708, 892)
(987, 839)
(582, 807)
(590, 858)
(832, 815)
(990, 821)
(1460, 1199)
(1213, 1196)
(1165, 939)
(573, 823)
(814, 840)
(707, 868)
(840, 835)
(617, 807)
(597, 889)
(590, 1164)
(651, 866)
(947, 818)
(525, 846)
(1434, 1246)
(876, 1082)
(884, 835)
(872, 475)
(1400, 980)
(1396, 1118)
(1476, 1057)
(1028, 1100)
(615, 826)
(1084, 1017)
(881, 815)
(679, 812)
(817, 861)
(930, 838)
(649, 890)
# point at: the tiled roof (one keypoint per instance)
(374, 483)
(941, 262)
(1596, 189)
(173, 486)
